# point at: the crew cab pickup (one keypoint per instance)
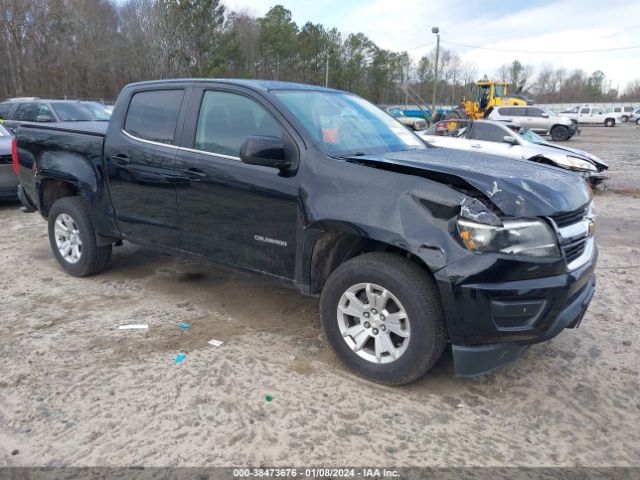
(592, 116)
(410, 248)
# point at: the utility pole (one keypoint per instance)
(326, 70)
(435, 30)
(453, 90)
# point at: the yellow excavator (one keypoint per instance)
(487, 94)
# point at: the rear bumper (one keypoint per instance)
(8, 182)
(8, 194)
(492, 324)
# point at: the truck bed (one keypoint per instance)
(91, 128)
(55, 149)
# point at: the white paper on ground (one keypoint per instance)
(133, 326)
(215, 343)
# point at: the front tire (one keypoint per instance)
(560, 133)
(625, 119)
(383, 317)
(73, 239)
(609, 122)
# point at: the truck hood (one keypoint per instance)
(517, 187)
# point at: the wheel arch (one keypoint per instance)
(52, 188)
(543, 160)
(334, 243)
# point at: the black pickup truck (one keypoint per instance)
(410, 248)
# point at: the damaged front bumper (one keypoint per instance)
(492, 324)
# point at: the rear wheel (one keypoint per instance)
(560, 133)
(383, 317)
(609, 122)
(73, 239)
(625, 118)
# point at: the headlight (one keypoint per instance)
(577, 163)
(517, 237)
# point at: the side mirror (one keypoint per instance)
(264, 151)
(545, 115)
(510, 140)
(44, 118)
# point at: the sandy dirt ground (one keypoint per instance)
(76, 391)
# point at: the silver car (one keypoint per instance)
(511, 140)
(8, 178)
(414, 123)
(538, 119)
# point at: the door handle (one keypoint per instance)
(475, 145)
(120, 159)
(194, 173)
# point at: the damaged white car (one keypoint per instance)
(510, 140)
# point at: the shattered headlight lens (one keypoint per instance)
(517, 237)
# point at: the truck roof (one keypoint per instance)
(264, 85)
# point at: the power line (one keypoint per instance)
(420, 46)
(617, 49)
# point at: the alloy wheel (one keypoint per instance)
(68, 239)
(373, 323)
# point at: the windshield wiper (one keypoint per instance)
(351, 155)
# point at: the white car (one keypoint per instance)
(509, 139)
(592, 116)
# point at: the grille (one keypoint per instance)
(569, 218)
(5, 160)
(574, 249)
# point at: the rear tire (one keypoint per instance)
(394, 337)
(625, 118)
(560, 133)
(73, 238)
(609, 122)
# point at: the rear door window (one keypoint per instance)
(534, 112)
(226, 120)
(518, 112)
(585, 110)
(27, 112)
(153, 115)
(487, 132)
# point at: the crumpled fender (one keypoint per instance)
(412, 213)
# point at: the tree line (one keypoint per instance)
(92, 48)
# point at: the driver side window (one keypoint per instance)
(226, 120)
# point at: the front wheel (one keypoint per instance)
(625, 118)
(560, 133)
(609, 122)
(383, 317)
(73, 239)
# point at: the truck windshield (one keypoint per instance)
(73, 112)
(344, 124)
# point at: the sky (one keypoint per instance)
(523, 26)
